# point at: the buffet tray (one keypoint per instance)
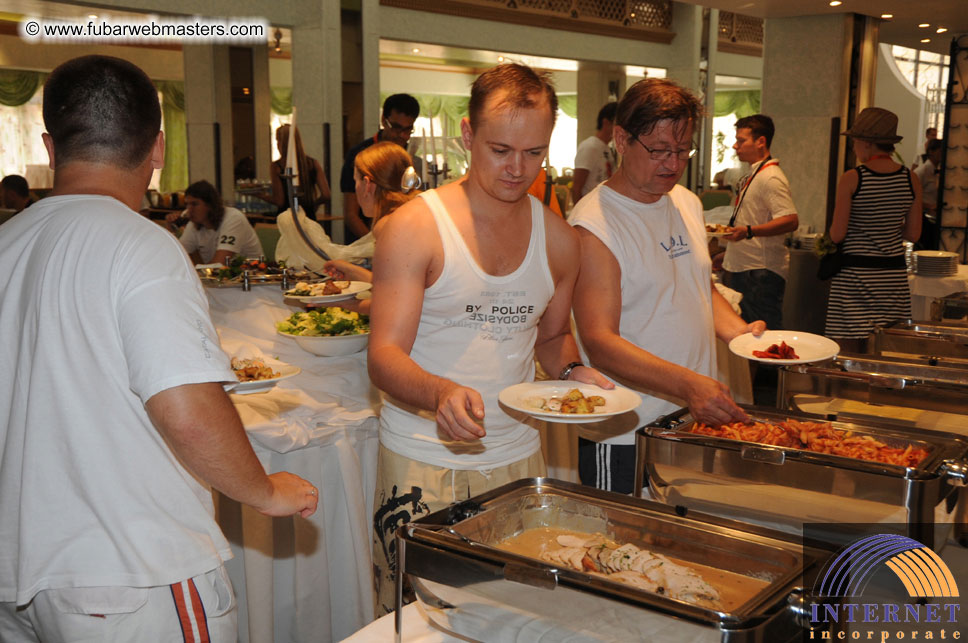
(471, 588)
(931, 384)
(786, 487)
(923, 338)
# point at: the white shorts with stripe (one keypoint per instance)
(197, 610)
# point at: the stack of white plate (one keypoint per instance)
(935, 263)
(808, 241)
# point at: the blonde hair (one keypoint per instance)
(384, 164)
(303, 167)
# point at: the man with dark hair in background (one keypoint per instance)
(645, 306)
(757, 262)
(595, 159)
(927, 172)
(396, 125)
(112, 411)
(15, 193)
(471, 283)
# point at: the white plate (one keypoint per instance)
(717, 234)
(617, 400)
(935, 254)
(349, 292)
(810, 347)
(261, 386)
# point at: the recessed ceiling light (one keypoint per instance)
(92, 16)
(632, 15)
(887, 16)
(500, 59)
(942, 29)
(835, 3)
(924, 25)
(925, 40)
(415, 50)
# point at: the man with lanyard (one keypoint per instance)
(396, 125)
(757, 262)
(645, 305)
(927, 172)
(471, 283)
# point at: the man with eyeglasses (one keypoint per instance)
(646, 309)
(396, 125)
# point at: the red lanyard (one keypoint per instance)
(879, 156)
(746, 186)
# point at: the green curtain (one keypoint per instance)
(568, 103)
(742, 103)
(280, 99)
(174, 176)
(17, 87)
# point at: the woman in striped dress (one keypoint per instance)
(877, 208)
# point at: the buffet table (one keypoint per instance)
(301, 579)
(925, 289)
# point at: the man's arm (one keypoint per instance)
(400, 269)
(598, 305)
(727, 323)
(555, 346)
(204, 431)
(779, 225)
(578, 179)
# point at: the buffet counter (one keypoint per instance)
(301, 579)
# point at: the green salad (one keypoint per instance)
(325, 322)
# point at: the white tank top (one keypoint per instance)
(478, 330)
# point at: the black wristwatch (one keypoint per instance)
(566, 371)
(749, 232)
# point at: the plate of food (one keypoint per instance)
(328, 332)
(717, 230)
(327, 291)
(257, 374)
(215, 275)
(568, 401)
(784, 347)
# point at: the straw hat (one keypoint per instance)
(874, 125)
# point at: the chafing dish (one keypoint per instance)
(786, 487)
(932, 384)
(470, 588)
(932, 339)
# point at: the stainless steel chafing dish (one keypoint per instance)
(932, 384)
(937, 339)
(786, 487)
(470, 588)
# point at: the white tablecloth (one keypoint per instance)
(925, 289)
(301, 579)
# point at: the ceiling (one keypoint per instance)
(902, 29)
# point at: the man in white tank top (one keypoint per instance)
(471, 283)
(646, 309)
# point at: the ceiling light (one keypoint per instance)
(632, 15)
(415, 50)
(924, 25)
(942, 29)
(925, 40)
(835, 3)
(887, 16)
(500, 59)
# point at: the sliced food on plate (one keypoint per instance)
(252, 369)
(303, 289)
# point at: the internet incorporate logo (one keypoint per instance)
(919, 569)
(922, 571)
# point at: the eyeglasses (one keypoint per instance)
(665, 155)
(396, 127)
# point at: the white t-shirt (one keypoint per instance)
(101, 311)
(767, 198)
(235, 233)
(666, 289)
(479, 331)
(599, 158)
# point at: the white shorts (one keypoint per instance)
(197, 610)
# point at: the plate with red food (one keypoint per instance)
(784, 347)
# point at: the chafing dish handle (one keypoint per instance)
(956, 472)
(670, 421)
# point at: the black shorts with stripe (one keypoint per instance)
(610, 467)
